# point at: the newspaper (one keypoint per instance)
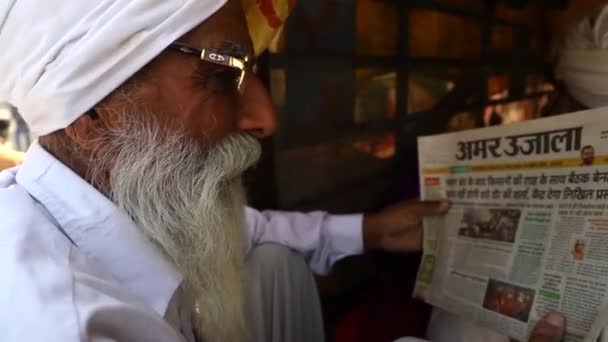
(527, 232)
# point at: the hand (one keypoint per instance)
(550, 329)
(398, 228)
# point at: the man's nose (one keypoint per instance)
(257, 113)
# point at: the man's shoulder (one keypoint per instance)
(53, 290)
(25, 222)
(49, 289)
(27, 230)
(37, 280)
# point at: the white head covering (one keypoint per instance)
(583, 62)
(59, 58)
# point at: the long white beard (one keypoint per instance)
(190, 202)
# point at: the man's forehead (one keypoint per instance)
(237, 46)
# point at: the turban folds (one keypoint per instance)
(265, 19)
(59, 58)
(583, 61)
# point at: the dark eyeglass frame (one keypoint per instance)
(215, 57)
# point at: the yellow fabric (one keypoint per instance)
(265, 19)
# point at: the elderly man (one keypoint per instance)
(124, 222)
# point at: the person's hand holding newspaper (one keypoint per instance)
(398, 228)
(550, 329)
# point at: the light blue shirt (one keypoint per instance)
(75, 268)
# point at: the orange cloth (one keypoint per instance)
(265, 19)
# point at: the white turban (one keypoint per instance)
(59, 58)
(583, 62)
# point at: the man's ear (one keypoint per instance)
(83, 132)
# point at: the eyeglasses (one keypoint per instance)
(217, 58)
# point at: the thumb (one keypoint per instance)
(550, 329)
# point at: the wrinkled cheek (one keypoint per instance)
(215, 122)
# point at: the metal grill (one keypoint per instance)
(314, 80)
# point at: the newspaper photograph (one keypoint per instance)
(527, 232)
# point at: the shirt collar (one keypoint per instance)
(99, 229)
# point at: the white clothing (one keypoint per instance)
(61, 57)
(448, 327)
(582, 62)
(75, 268)
(283, 302)
(321, 238)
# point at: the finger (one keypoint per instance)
(431, 208)
(550, 329)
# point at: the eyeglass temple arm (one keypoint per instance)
(214, 57)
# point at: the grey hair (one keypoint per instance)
(189, 201)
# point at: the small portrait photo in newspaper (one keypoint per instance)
(579, 248)
(587, 155)
(490, 224)
(509, 300)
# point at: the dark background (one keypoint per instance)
(356, 82)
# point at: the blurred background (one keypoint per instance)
(357, 81)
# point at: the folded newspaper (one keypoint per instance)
(527, 232)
